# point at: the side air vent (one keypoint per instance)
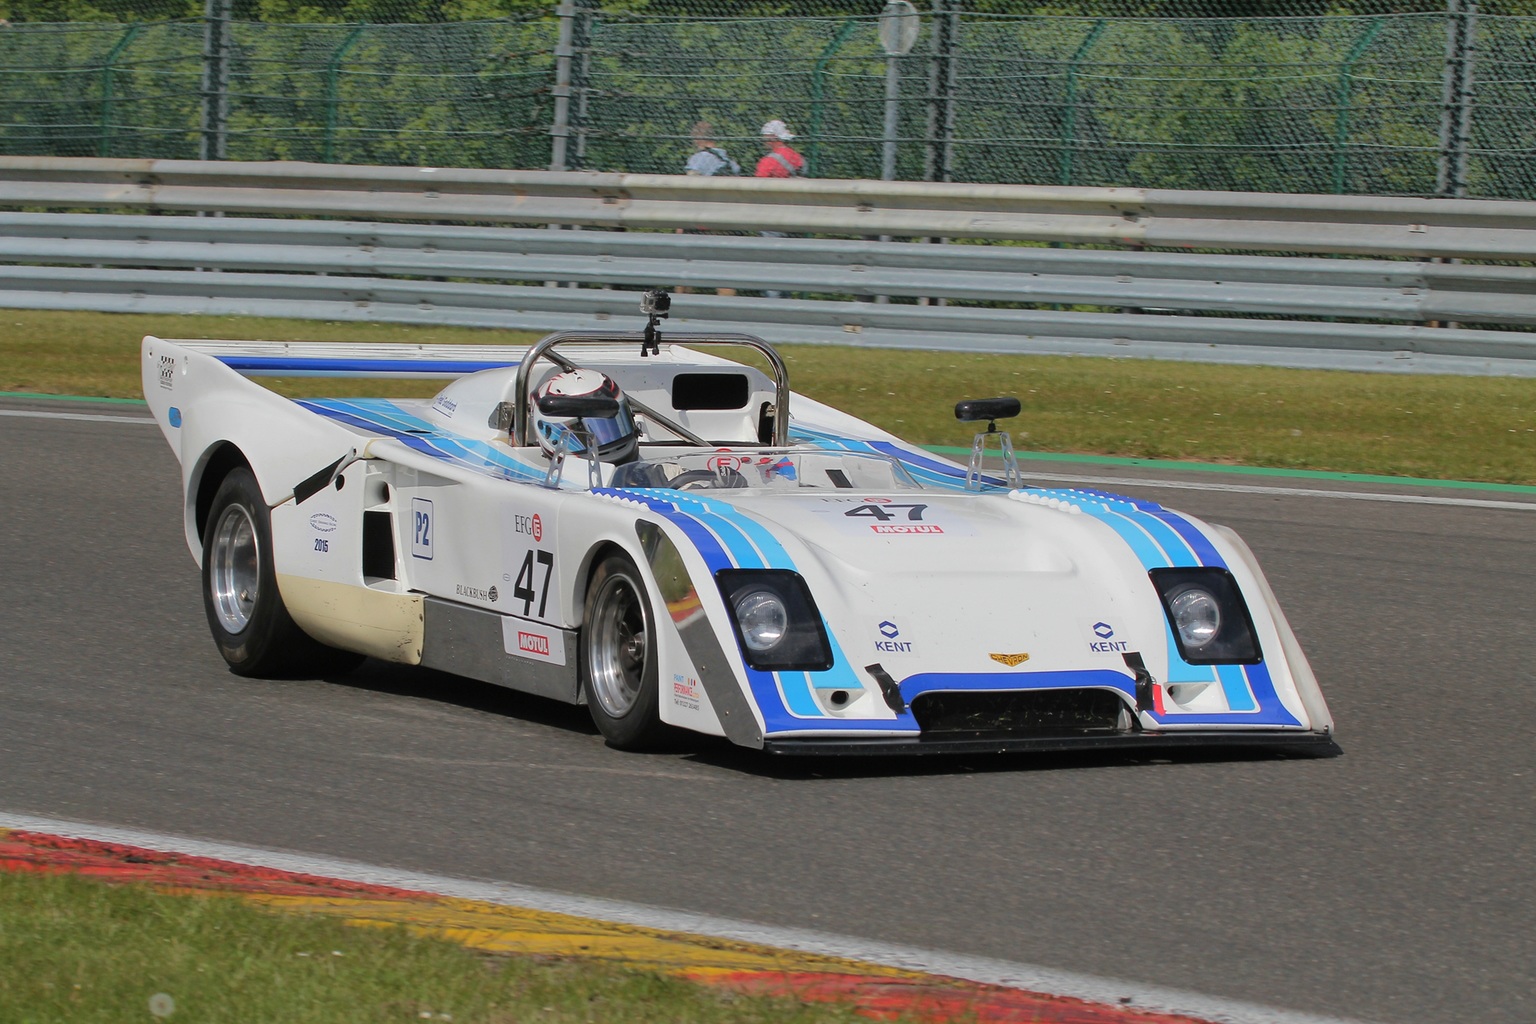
(378, 545)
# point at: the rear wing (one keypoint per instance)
(349, 359)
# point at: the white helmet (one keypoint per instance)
(611, 428)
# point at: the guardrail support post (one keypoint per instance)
(332, 91)
(215, 88)
(1069, 116)
(104, 147)
(1346, 95)
(1456, 113)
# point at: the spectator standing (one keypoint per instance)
(708, 158)
(781, 160)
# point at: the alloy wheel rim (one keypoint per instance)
(235, 573)
(617, 645)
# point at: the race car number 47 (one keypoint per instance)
(884, 515)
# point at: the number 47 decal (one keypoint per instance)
(523, 588)
(883, 512)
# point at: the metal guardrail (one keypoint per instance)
(1363, 225)
(1154, 304)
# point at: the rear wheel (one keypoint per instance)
(250, 625)
(618, 657)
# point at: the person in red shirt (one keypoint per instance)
(781, 160)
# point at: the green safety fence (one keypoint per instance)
(1387, 99)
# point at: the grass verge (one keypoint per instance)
(80, 951)
(1438, 427)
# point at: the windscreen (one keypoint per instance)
(779, 470)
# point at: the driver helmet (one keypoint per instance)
(616, 436)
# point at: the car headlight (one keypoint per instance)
(1210, 620)
(1196, 615)
(763, 619)
(776, 622)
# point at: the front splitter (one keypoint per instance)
(1310, 744)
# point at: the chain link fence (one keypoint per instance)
(1407, 98)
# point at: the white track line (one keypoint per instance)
(1131, 994)
(1291, 492)
(86, 416)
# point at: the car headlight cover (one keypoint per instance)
(763, 619)
(1210, 621)
(1196, 615)
(775, 620)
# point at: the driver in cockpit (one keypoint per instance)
(615, 437)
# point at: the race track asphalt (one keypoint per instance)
(1396, 882)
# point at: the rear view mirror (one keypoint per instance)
(975, 410)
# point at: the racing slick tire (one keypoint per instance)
(246, 615)
(618, 658)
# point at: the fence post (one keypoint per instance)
(332, 90)
(1069, 119)
(104, 147)
(1346, 95)
(1456, 112)
(581, 74)
(899, 29)
(570, 79)
(215, 88)
(943, 71)
(565, 50)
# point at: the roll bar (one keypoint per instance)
(545, 349)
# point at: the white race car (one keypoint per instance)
(676, 540)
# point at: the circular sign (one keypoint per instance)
(719, 463)
(899, 28)
(538, 529)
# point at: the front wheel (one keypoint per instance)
(250, 625)
(618, 657)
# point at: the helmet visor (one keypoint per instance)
(608, 429)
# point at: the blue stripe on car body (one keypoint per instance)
(840, 676)
(381, 416)
(727, 537)
(1249, 689)
(724, 546)
(309, 366)
(922, 467)
(1067, 679)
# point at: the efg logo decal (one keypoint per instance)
(532, 525)
(1105, 645)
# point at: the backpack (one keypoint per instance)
(728, 166)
